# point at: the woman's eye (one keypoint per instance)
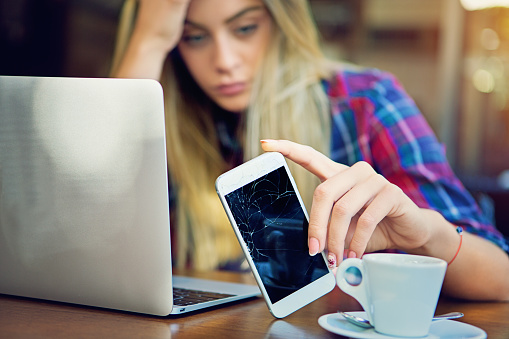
(245, 30)
(194, 39)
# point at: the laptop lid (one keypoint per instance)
(83, 193)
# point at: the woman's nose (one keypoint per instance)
(226, 57)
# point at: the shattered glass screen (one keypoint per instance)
(274, 227)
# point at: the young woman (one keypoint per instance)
(235, 72)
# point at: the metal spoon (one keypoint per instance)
(365, 323)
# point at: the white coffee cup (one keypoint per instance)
(399, 292)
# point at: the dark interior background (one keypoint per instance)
(454, 62)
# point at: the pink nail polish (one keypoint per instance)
(331, 258)
(352, 254)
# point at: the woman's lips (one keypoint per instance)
(231, 89)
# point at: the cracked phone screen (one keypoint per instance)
(274, 228)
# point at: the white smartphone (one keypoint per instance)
(267, 214)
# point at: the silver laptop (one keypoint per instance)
(84, 212)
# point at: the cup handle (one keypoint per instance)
(352, 284)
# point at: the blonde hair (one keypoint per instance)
(291, 105)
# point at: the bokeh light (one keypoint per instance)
(483, 81)
(490, 39)
(473, 5)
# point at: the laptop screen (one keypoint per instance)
(83, 181)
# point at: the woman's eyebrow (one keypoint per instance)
(242, 12)
(230, 19)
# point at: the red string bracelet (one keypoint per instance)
(459, 229)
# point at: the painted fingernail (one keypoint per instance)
(331, 258)
(314, 246)
(352, 254)
(266, 141)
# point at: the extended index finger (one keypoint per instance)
(305, 156)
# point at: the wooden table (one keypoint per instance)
(29, 318)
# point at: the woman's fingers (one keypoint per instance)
(306, 156)
(381, 205)
(325, 195)
(348, 205)
(348, 196)
(335, 202)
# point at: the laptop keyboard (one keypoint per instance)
(185, 297)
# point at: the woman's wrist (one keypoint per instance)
(156, 44)
(143, 58)
(443, 241)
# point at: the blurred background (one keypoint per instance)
(452, 56)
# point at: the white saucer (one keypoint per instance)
(335, 323)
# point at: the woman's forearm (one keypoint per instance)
(480, 271)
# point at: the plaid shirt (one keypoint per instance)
(374, 120)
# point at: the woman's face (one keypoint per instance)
(223, 44)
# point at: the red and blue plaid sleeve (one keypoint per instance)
(376, 121)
